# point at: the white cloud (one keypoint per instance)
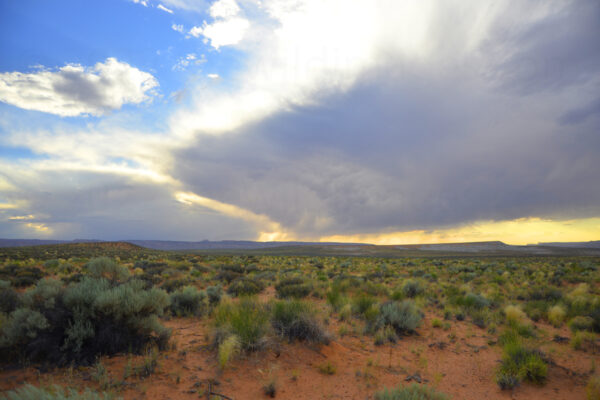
(196, 31)
(177, 28)
(228, 27)
(189, 59)
(187, 5)
(165, 9)
(226, 32)
(300, 50)
(224, 9)
(75, 90)
(213, 76)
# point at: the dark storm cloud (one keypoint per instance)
(102, 206)
(411, 148)
(579, 115)
(560, 50)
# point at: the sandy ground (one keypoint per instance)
(459, 362)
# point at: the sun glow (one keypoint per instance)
(518, 232)
(268, 230)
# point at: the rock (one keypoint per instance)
(560, 339)
(416, 377)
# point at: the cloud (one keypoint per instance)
(196, 31)
(390, 121)
(224, 9)
(177, 28)
(187, 5)
(552, 50)
(109, 206)
(580, 114)
(226, 32)
(21, 217)
(75, 90)
(190, 59)
(398, 153)
(370, 130)
(227, 29)
(165, 9)
(269, 230)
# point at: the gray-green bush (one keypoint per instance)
(104, 267)
(30, 392)
(188, 301)
(296, 320)
(403, 316)
(77, 323)
(248, 320)
(412, 392)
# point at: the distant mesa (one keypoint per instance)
(593, 244)
(491, 248)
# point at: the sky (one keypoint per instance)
(378, 121)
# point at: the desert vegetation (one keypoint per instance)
(109, 323)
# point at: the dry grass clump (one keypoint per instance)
(228, 349)
(557, 315)
(514, 314)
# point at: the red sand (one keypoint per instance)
(462, 367)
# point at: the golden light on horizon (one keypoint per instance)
(516, 232)
(268, 230)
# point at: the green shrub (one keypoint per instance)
(346, 312)
(412, 289)
(474, 301)
(404, 317)
(9, 299)
(44, 294)
(514, 314)
(21, 276)
(87, 319)
(228, 349)
(387, 334)
(412, 392)
(296, 288)
(245, 287)
(248, 320)
(30, 392)
(327, 368)
(296, 320)
(583, 340)
(362, 303)
(480, 318)
(592, 389)
(51, 264)
(545, 293)
(214, 294)
(556, 315)
(335, 298)
(104, 267)
(520, 363)
(581, 323)
(188, 302)
(228, 273)
(23, 326)
(507, 381)
(172, 285)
